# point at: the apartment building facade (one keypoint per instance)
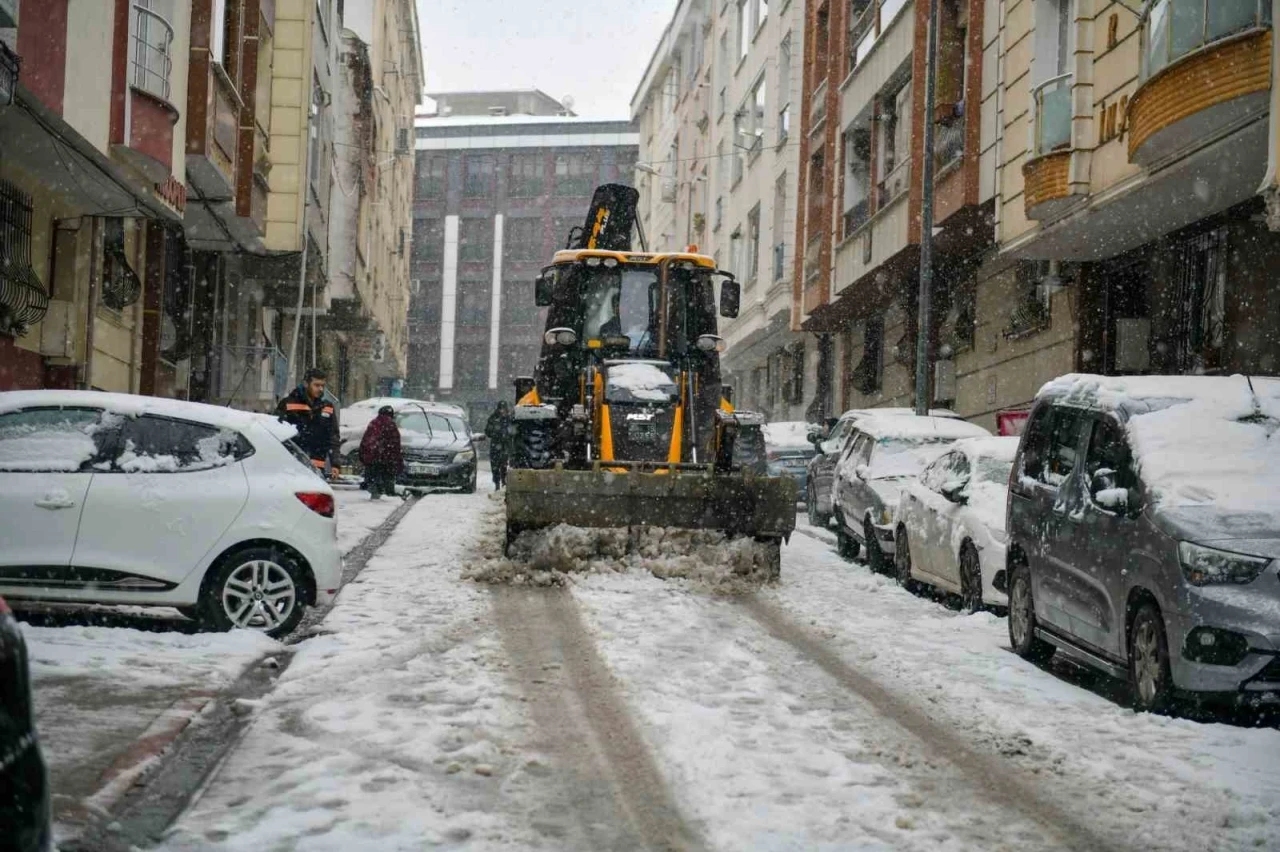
(91, 167)
(159, 159)
(495, 194)
(364, 333)
(717, 116)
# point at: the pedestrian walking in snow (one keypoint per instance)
(308, 411)
(498, 430)
(380, 453)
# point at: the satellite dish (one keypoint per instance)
(568, 102)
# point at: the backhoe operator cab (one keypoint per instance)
(633, 331)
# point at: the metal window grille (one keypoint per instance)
(23, 299)
(1200, 277)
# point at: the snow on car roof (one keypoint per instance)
(903, 426)
(1000, 449)
(133, 405)
(891, 411)
(1200, 441)
(398, 402)
(788, 434)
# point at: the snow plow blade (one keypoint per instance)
(650, 494)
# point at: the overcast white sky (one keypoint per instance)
(594, 50)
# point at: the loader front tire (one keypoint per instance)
(773, 559)
(533, 445)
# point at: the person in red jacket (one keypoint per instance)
(380, 453)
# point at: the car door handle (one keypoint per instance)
(55, 503)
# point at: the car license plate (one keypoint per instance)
(424, 469)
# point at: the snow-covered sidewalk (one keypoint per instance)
(98, 689)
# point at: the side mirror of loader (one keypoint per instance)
(730, 297)
(544, 289)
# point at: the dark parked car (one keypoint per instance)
(789, 450)
(1144, 532)
(24, 786)
(437, 444)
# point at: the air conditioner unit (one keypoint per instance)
(1133, 345)
(57, 330)
(668, 190)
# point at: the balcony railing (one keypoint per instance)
(152, 52)
(948, 141)
(855, 217)
(897, 182)
(1175, 28)
(818, 105)
(812, 259)
(868, 28)
(1053, 114)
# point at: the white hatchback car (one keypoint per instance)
(952, 519)
(122, 499)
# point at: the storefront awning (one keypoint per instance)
(39, 142)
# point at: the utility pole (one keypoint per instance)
(925, 302)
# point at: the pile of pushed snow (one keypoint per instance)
(554, 555)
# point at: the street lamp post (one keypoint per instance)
(925, 301)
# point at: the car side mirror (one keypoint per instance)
(730, 298)
(1106, 493)
(860, 471)
(954, 491)
(544, 290)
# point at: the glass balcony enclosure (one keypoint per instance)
(1053, 114)
(1174, 28)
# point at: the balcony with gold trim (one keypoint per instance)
(1047, 175)
(1207, 71)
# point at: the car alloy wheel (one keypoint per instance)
(259, 595)
(902, 561)
(970, 579)
(1022, 619)
(1149, 661)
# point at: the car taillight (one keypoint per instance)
(321, 504)
(4, 607)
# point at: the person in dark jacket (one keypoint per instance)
(380, 453)
(498, 430)
(307, 410)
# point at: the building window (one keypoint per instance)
(471, 366)
(780, 220)
(894, 141)
(475, 239)
(523, 239)
(314, 149)
(473, 303)
(793, 387)
(744, 28)
(784, 89)
(432, 176)
(753, 245)
(739, 142)
(857, 180)
(428, 241)
(575, 174)
(1200, 273)
(525, 179)
(868, 376)
(478, 182)
(735, 252)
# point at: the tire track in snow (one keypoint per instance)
(617, 792)
(995, 780)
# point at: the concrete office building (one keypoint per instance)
(501, 177)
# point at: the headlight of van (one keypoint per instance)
(464, 456)
(1204, 566)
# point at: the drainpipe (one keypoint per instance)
(924, 308)
(1269, 190)
(95, 238)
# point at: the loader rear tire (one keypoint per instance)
(773, 556)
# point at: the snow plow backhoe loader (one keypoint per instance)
(625, 421)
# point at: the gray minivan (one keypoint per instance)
(1144, 532)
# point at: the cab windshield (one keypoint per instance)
(621, 302)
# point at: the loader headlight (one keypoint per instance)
(610, 262)
(592, 261)
(711, 343)
(464, 456)
(560, 336)
(1205, 566)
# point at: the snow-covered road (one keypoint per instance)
(623, 711)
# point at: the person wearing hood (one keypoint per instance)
(380, 453)
(308, 411)
(498, 430)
